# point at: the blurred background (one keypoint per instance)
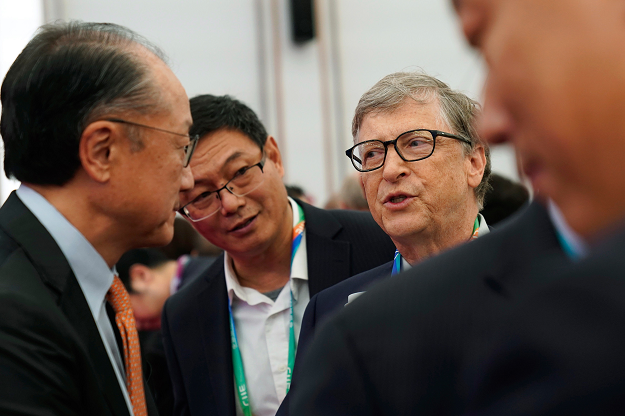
(301, 65)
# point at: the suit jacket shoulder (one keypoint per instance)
(196, 337)
(421, 324)
(342, 243)
(53, 358)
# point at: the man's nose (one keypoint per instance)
(230, 203)
(186, 182)
(494, 124)
(394, 166)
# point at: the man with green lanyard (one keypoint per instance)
(424, 171)
(230, 336)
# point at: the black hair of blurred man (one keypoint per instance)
(504, 198)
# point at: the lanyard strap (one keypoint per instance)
(237, 360)
(397, 259)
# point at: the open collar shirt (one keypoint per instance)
(92, 273)
(262, 328)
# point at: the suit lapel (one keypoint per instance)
(331, 257)
(57, 275)
(213, 323)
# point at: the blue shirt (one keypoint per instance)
(93, 274)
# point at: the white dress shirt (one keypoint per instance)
(93, 274)
(262, 328)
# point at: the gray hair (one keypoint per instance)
(458, 111)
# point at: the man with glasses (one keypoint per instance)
(95, 126)
(529, 319)
(231, 335)
(425, 173)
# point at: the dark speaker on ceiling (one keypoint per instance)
(303, 20)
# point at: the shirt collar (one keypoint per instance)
(483, 228)
(93, 274)
(299, 270)
(573, 245)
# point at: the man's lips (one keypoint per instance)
(242, 224)
(396, 198)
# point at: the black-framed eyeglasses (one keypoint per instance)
(188, 149)
(411, 146)
(244, 181)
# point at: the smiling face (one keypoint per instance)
(555, 90)
(421, 199)
(247, 225)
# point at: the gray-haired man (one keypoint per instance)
(425, 172)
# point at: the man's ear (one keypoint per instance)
(98, 142)
(477, 164)
(141, 276)
(273, 154)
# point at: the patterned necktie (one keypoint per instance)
(125, 320)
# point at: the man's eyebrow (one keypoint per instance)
(232, 157)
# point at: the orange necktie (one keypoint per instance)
(125, 320)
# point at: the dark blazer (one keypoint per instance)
(52, 358)
(195, 320)
(561, 351)
(397, 350)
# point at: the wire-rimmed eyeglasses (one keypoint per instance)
(411, 146)
(188, 149)
(244, 181)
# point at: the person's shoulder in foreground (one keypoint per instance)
(561, 349)
(396, 347)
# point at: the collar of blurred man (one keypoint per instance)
(537, 96)
(428, 205)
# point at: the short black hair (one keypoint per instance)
(211, 113)
(68, 76)
(149, 257)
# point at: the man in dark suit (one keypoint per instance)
(95, 126)
(230, 336)
(423, 213)
(405, 348)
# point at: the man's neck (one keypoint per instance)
(417, 247)
(97, 229)
(270, 269)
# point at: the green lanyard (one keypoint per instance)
(237, 361)
(397, 258)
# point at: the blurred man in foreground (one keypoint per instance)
(278, 253)
(95, 126)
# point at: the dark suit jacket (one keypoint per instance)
(195, 320)
(397, 350)
(561, 351)
(52, 358)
